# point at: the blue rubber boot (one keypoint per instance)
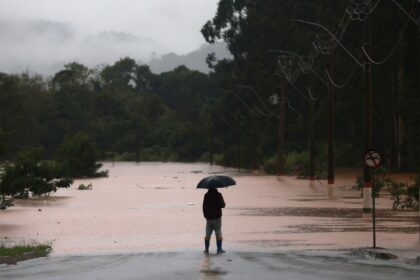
(219, 247)
(206, 246)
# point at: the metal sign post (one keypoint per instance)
(372, 159)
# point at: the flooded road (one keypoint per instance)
(156, 206)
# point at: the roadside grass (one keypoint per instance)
(41, 250)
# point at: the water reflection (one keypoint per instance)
(208, 272)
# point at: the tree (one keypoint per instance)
(78, 156)
(29, 175)
(121, 75)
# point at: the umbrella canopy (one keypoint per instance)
(216, 181)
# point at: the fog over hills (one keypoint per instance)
(45, 46)
(195, 60)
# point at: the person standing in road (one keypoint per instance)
(212, 209)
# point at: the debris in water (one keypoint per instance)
(83, 187)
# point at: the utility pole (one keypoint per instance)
(138, 144)
(238, 140)
(224, 148)
(255, 139)
(311, 138)
(367, 178)
(282, 118)
(211, 142)
(331, 125)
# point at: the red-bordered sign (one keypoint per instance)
(372, 158)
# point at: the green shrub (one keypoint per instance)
(156, 153)
(296, 163)
(78, 157)
(270, 165)
(5, 202)
(404, 196)
(29, 175)
(40, 250)
(381, 180)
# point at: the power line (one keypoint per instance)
(344, 84)
(292, 108)
(392, 51)
(239, 98)
(335, 39)
(405, 12)
(260, 99)
(310, 95)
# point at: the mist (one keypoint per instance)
(41, 36)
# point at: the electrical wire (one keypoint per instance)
(297, 90)
(344, 84)
(319, 77)
(235, 117)
(259, 98)
(291, 107)
(392, 51)
(405, 12)
(310, 95)
(237, 97)
(288, 65)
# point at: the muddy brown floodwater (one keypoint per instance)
(156, 206)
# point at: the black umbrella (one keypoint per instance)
(216, 181)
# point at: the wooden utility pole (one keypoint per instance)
(255, 144)
(137, 144)
(224, 149)
(311, 137)
(367, 178)
(282, 119)
(211, 142)
(238, 140)
(331, 126)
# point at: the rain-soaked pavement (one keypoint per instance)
(151, 213)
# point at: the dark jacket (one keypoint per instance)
(212, 204)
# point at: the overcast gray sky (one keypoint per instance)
(42, 35)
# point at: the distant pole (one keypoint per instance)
(255, 139)
(211, 142)
(224, 148)
(282, 118)
(331, 125)
(367, 180)
(312, 138)
(238, 141)
(138, 145)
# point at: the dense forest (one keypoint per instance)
(127, 111)
(130, 113)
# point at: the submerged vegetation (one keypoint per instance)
(405, 195)
(40, 250)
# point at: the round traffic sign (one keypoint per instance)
(372, 158)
